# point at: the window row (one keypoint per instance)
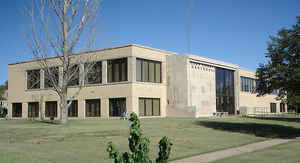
(117, 71)
(248, 84)
(117, 106)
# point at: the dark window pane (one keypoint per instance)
(33, 79)
(145, 71)
(141, 107)
(151, 72)
(94, 74)
(16, 109)
(73, 109)
(117, 70)
(117, 106)
(33, 109)
(109, 73)
(157, 72)
(51, 75)
(92, 108)
(138, 70)
(51, 109)
(149, 108)
(123, 71)
(74, 73)
(156, 107)
(273, 107)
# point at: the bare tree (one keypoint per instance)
(57, 28)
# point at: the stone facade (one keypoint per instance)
(187, 88)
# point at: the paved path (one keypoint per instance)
(213, 156)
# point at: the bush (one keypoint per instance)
(139, 146)
(3, 112)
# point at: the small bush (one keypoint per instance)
(139, 146)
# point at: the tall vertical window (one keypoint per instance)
(50, 76)
(92, 108)
(16, 109)
(117, 106)
(149, 106)
(117, 70)
(73, 109)
(273, 107)
(248, 84)
(282, 107)
(225, 90)
(94, 76)
(148, 71)
(33, 79)
(51, 109)
(33, 109)
(74, 73)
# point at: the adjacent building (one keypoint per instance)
(134, 78)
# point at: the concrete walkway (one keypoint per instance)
(213, 156)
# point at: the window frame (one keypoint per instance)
(88, 103)
(17, 113)
(74, 105)
(46, 80)
(144, 99)
(112, 63)
(48, 113)
(147, 78)
(86, 78)
(30, 110)
(38, 83)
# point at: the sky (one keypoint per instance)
(235, 31)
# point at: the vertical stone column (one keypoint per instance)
(104, 72)
(81, 108)
(81, 74)
(104, 108)
(24, 110)
(42, 79)
(236, 89)
(42, 108)
(132, 104)
(164, 72)
(131, 68)
(9, 111)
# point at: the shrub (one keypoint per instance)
(139, 146)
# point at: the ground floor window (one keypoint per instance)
(149, 106)
(92, 108)
(282, 107)
(16, 109)
(51, 109)
(73, 109)
(33, 109)
(273, 107)
(117, 106)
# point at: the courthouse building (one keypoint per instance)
(148, 81)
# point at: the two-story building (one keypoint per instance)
(133, 78)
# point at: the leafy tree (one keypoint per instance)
(138, 146)
(282, 71)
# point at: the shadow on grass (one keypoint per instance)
(286, 119)
(258, 129)
(55, 122)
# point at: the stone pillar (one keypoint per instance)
(104, 108)
(104, 72)
(236, 90)
(24, 110)
(9, 110)
(81, 108)
(42, 108)
(131, 68)
(81, 74)
(164, 72)
(42, 79)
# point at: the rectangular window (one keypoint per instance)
(149, 106)
(51, 109)
(117, 106)
(33, 109)
(94, 75)
(273, 107)
(282, 107)
(16, 109)
(50, 76)
(117, 70)
(148, 71)
(74, 74)
(92, 108)
(247, 84)
(73, 109)
(33, 79)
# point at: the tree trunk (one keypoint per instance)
(63, 110)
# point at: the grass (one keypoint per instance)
(287, 153)
(85, 140)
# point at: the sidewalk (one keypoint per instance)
(213, 156)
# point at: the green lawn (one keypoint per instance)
(287, 153)
(85, 140)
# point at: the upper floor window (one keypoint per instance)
(117, 70)
(33, 79)
(74, 74)
(148, 71)
(248, 84)
(50, 76)
(94, 74)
